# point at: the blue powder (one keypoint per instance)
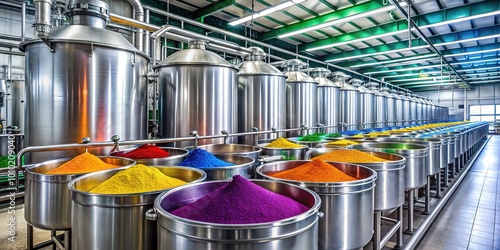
(200, 158)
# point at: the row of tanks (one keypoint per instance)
(86, 81)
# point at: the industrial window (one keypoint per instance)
(485, 113)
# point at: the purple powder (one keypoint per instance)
(241, 202)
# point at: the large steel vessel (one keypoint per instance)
(197, 91)
(380, 106)
(261, 96)
(405, 107)
(349, 103)
(83, 81)
(328, 99)
(391, 109)
(301, 98)
(366, 105)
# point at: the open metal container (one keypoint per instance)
(285, 153)
(47, 203)
(176, 156)
(295, 233)
(234, 149)
(243, 165)
(415, 155)
(310, 144)
(116, 221)
(347, 206)
(390, 183)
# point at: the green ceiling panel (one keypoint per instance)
(212, 8)
(425, 19)
(360, 8)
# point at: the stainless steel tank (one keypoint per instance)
(413, 108)
(406, 108)
(391, 109)
(198, 90)
(419, 109)
(349, 103)
(398, 107)
(12, 104)
(328, 99)
(261, 96)
(90, 82)
(366, 105)
(301, 97)
(380, 106)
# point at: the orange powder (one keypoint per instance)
(355, 156)
(314, 171)
(83, 163)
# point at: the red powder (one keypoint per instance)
(145, 151)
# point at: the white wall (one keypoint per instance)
(479, 94)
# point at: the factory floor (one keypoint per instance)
(471, 218)
(468, 221)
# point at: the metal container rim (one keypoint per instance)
(311, 211)
(255, 148)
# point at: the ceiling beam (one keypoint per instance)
(401, 26)
(212, 8)
(336, 15)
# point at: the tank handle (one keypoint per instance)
(151, 214)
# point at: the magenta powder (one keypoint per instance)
(241, 202)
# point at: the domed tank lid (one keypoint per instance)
(87, 35)
(320, 75)
(196, 54)
(357, 83)
(403, 96)
(253, 64)
(373, 87)
(394, 94)
(387, 92)
(293, 71)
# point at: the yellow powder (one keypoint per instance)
(358, 136)
(355, 156)
(283, 143)
(137, 179)
(83, 163)
(342, 142)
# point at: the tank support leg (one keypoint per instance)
(411, 205)
(399, 237)
(427, 195)
(377, 223)
(438, 185)
(446, 175)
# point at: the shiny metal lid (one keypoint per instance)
(293, 71)
(394, 94)
(87, 35)
(253, 65)
(373, 87)
(357, 83)
(195, 55)
(387, 92)
(403, 96)
(320, 75)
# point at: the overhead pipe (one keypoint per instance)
(424, 37)
(43, 22)
(243, 38)
(23, 21)
(139, 16)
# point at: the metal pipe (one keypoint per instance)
(23, 21)
(139, 16)
(424, 37)
(43, 22)
(9, 72)
(417, 236)
(14, 53)
(146, 33)
(255, 42)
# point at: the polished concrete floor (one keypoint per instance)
(470, 219)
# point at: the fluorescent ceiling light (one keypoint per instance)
(473, 62)
(481, 74)
(416, 74)
(339, 21)
(483, 78)
(394, 61)
(404, 69)
(477, 69)
(469, 40)
(420, 83)
(438, 84)
(266, 11)
(380, 53)
(473, 52)
(419, 79)
(402, 31)
(482, 81)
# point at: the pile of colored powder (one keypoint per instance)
(200, 158)
(283, 143)
(137, 179)
(83, 163)
(144, 152)
(241, 202)
(311, 137)
(342, 142)
(314, 171)
(349, 156)
(334, 135)
(358, 136)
